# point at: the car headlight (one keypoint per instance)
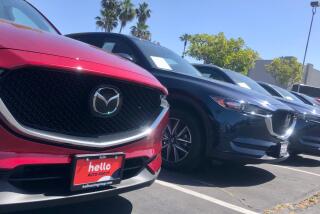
(242, 106)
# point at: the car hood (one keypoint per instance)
(237, 92)
(301, 108)
(227, 90)
(18, 37)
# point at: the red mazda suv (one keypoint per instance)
(76, 123)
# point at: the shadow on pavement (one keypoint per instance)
(114, 205)
(220, 176)
(302, 161)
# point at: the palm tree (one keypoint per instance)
(108, 19)
(127, 13)
(141, 31)
(143, 12)
(185, 38)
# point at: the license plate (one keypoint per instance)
(96, 171)
(283, 149)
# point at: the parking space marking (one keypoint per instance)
(297, 170)
(206, 197)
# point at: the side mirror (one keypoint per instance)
(126, 56)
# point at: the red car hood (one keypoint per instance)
(23, 39)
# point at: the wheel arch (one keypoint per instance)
(188, 102)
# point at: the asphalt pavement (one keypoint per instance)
(289, 187)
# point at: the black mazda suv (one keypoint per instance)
(306, 136)
(208, 119)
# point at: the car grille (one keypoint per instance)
(59, 102)
(282, 121)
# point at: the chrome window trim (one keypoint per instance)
(288, 133)
(99, 142)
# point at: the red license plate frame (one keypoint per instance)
(96, 171)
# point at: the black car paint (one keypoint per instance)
(306, 138)
(229, 134)
(307, 99)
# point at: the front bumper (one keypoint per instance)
(14, 199)
(306, 138)
(251, 151)
(247, 139)
(35, 158)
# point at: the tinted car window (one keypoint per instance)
(212, 73)
(305, 99)
(21, 12)
(164, 59)
(108, 46)
(288, 95)
(245, 82)
(271, 91)
(117, 46)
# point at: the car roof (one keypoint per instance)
(207, 65)
(265, 83)
(109, 34)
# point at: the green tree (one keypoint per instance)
(109, 13)
(141, 31)
(227, 53)
(184, 38)
(143, 12)
(141, 28)
(127, 13)
(286, 70)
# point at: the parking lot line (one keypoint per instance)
(297, 170)
(206, 197)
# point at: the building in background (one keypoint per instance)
(311, 75)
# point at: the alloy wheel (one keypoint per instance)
(176, 141)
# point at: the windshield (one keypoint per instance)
(288, 95)
(306, 99)
(20, 12)
(164, 59)
(246, 82)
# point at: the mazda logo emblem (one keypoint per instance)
(106, 101)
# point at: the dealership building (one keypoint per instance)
(311, 76)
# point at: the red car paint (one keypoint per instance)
(21, 46)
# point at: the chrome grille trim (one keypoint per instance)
(287, 133)
(98, 142)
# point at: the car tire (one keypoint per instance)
(195, 149)
(293, 155)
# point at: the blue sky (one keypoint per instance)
(272, 27)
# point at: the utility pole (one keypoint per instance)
(314, 5)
